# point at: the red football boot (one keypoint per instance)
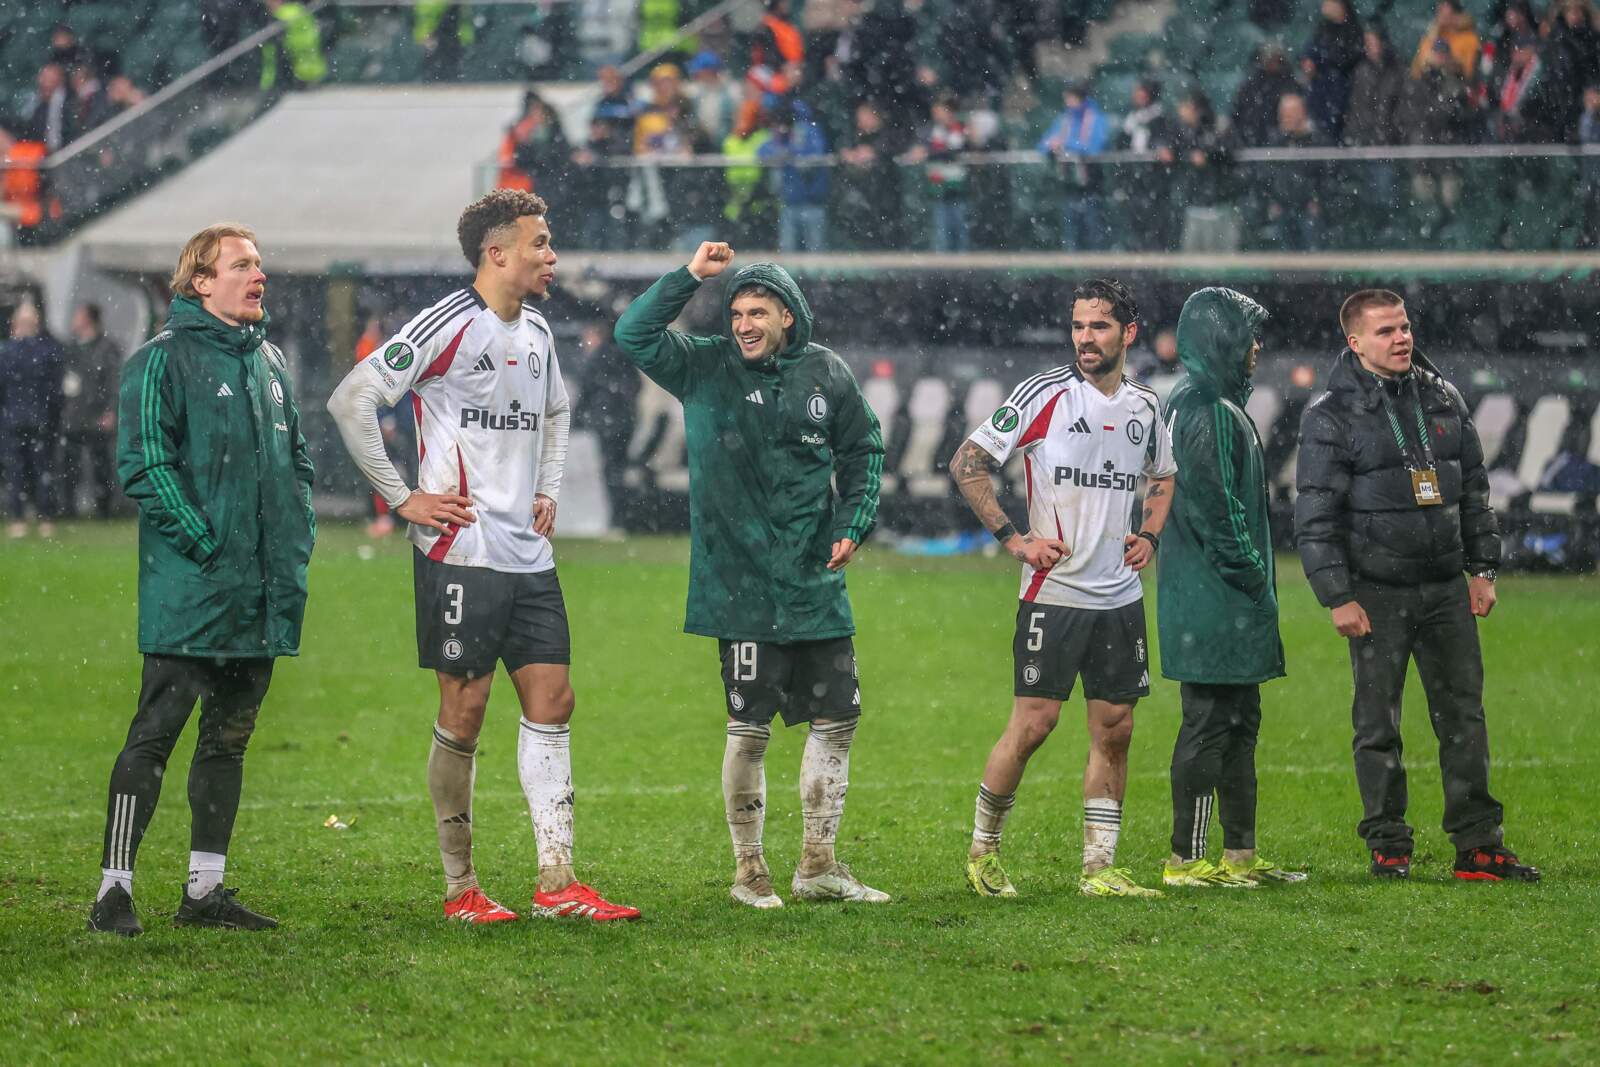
(476, 908)
(578, 901)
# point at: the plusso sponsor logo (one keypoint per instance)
(513, 419)
(1106, 478)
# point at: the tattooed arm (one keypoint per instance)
(1139, 551)
(972, 469)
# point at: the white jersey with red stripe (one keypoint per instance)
(481, 389)
(1083, 453)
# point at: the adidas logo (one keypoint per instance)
(1081, 426)
(484, 363)
(755, 398)
(224, 391)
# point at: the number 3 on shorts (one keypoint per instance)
(452, 611)
(1035, 635)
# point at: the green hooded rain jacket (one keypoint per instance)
(1218, 602)
(209, 446)
(765, 442)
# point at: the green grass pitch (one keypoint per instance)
(1339, 970)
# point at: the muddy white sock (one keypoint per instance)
(544, 763)
(452, 769)
(990, 819)
(1102, 822)
(744, 789)
(205, 873)
(824, 779)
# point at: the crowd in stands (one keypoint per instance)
(895, 101)
(57, 420)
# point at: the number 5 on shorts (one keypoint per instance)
(1035, 634)
(452, 611)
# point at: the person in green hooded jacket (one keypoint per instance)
(1217, 609)
(209, 446)
(771, 420)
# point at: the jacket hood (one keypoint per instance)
(187, 314)
(779, 281)
(1348, 375)
(1215, 330)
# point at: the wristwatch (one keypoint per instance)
(1488, 573)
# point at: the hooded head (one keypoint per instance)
(1216, 331)
(791, 340)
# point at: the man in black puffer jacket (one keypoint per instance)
(1393, 507)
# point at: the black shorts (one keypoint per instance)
(469, 618)
(804, 681)
(1055, 645)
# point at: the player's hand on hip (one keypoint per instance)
(711, 259)
(1040, 553)
(437, 510)
(1481, 592)
(844, 551)
(1137, 552)
(544, 515)
(1351, 620)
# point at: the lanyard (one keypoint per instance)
(1422, 426)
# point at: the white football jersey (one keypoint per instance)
(481, 389)
(1083, 453)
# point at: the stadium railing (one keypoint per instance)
(1534, 197)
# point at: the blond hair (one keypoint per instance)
(199, 256)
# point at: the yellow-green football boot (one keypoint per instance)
(987, 878)
(1262, 872)
(1113, 882)
(1203, 874)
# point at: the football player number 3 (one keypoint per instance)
(452, 611)
(1035, 634)
(744, 661)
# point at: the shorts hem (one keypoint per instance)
(559, 659)
(1041, 694)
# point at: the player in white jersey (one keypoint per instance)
(492, 421)
(1087, 434)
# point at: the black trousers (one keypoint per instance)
(1432, 622)
(28, 452)
(86, 457)
(229, 692)
(1215, 754)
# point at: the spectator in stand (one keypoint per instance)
(988, 184)
(715, 101)
(1199, 155)
(444, 31)
(1435, 109)
(1146, 125)
(296, 58)
(1589, 136)
(597, 199)
(1080, 130)
(46, 112)
(1158, 366)
(660, 197)
(538, 151)
(750, 211)
(1526, 108)
(1329, 62)
(224, 23)
(1369, 121)
(1296, 191)
(940, 143)
(65, 48)
(870, 208)
(121, 94)
(89, 413)
(777, 51)
(1494, 58)
(1570, 60)
(1453, 25)
(615, 104)
(804, 190)
(88, 106)
(32, 366)
(882, 66)
(1255, 106)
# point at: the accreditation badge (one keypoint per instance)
(1425, 485)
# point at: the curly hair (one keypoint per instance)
(1117, 296)
(488, 217)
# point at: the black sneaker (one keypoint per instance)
(1391, 864)
(114, 914)
(219, 908)
(1495, 863)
